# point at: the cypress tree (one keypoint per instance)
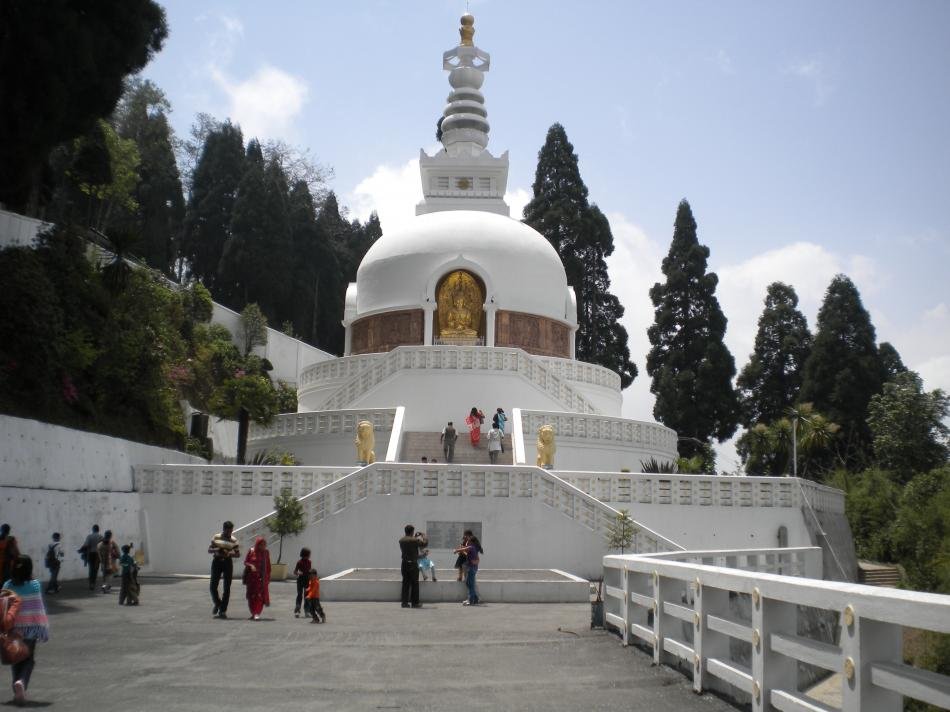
(581, 235)
(891, 361)
(844, 368)
(211, 203)
(770, 382)
(336, 233)
(143, 117)
(690, 365)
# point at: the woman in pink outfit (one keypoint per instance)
(257, 577)
(474, 422)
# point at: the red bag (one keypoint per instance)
(12, 648)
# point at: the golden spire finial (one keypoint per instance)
(467, 30)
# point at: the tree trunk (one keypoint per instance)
(244, 422)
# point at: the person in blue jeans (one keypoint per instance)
(470, 551)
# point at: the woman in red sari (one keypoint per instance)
(474, 423)
(257, 577)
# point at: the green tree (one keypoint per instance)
(316, 272)
(770, 449)
(921, 530)
(690, 365)
(581, 235)
(117, 194)
(142, 116)
(253, 327)
(620, 531)
(908, 426)
(288, 518)
(890, 360)
(210, 205)
(844, 369)
(871, 504)
(61, 69)
(770, 382)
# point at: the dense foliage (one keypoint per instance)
(581, 234)
(770, 382)
(690, 365)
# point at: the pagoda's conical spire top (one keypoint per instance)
(465, 124)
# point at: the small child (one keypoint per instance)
(426, 565)
(302, 572)
(129, 592)
(53, 561)
(313, 599)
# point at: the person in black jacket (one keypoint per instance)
(410, 545)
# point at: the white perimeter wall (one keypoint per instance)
(59, 479)
(596, 455)
(333, 450)
(516, 533)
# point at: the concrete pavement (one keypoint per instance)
(169, 654)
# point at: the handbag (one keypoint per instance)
(13, 649)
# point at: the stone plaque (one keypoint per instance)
(448, 535)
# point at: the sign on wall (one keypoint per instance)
(448, 535)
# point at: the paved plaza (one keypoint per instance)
(169, 654)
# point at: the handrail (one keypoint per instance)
(323, 422)
(451, 480)
(683, 611)
(647, 436)
(395, 436)
(233, 480)
(824, 536)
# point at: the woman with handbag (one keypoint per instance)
(257, 577)
(30, 621)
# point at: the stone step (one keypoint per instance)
(879, 575)
(415, 445)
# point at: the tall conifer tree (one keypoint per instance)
(691, 367)
(581, 235)
(211, 203)
(844, 368)
(770, 382)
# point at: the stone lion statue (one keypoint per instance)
(365, 442)
(546, 446)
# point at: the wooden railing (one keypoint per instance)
(680, 606)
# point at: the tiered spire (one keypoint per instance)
(465, 124)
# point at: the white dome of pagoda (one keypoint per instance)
(519, 268)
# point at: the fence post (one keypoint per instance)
(710, 643)
(625, 604)
(863, 642)
(771, 670)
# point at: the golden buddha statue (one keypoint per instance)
(460, 301)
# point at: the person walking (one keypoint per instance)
(409, 547)
(257, 578)
(494, 442)
(90, 554)
(30, 621)
(8, 551)
(224, 550)
(108, 556)
(129, 591)
(474, 421)
(53, 561)
(312, 606)
(502, 420)
(302, 572)
(448, 438)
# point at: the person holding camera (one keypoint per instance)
(409, 546)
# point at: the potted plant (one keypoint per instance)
(288, 518)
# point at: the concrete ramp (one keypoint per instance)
(494, 586)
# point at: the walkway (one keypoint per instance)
(169, 654)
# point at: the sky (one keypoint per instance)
(810, 138)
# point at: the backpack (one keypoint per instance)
(51, 561)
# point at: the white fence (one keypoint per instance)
(467, 481)
(236, 480)
(679, 605)
(330, 422)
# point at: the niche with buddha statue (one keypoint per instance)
(460, 309)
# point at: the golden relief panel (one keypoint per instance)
(460, 301)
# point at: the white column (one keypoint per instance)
(429, 309)
(490, 310)
(574, 343)
(347, 338)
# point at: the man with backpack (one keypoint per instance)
(53, 561)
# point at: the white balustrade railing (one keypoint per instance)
(445, 480)
(324, 422)
(601, 428)
(257, 480)
(581, 371)
(703, 490)
(681, 606)
(363, 373)
(338, 370)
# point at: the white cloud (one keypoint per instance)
(517, 198)
(814, 72)
(724, 62)
(266, 104)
